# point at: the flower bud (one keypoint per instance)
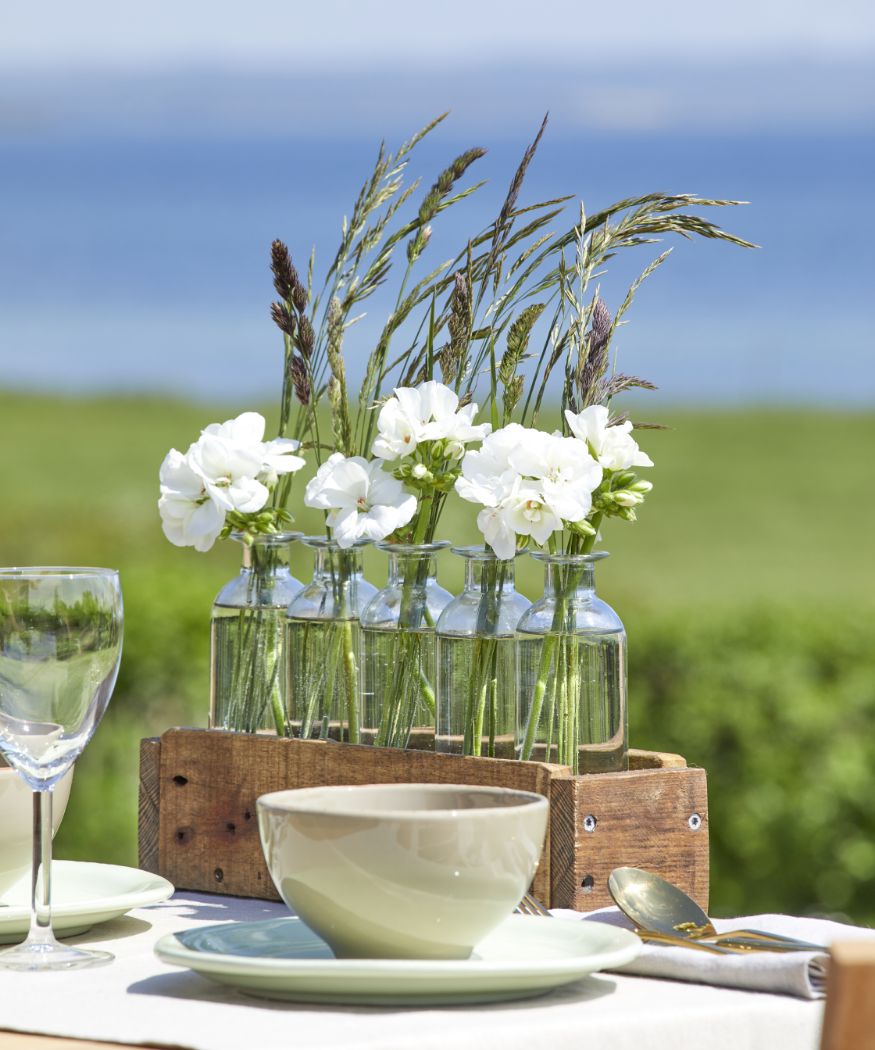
(420, 471)
(582, 528)
(641, 486)
(627, 498)
(454, 450)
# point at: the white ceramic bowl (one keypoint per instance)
(16, 823)
(402, 871)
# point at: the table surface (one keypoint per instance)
(138, 1000)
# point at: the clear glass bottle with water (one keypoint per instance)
(476, 660)
(323, 639)
(398, 649)
(247, 638)
(572, 672)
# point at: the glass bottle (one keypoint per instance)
(572, 671)
(398, 649)
(322, 644)
(247, 676)
(476, 660)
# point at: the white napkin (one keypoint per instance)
(784, 973)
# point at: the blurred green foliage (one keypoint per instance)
(746, 589)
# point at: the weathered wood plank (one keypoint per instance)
(655, 760)
(849, 1018)
(149, 805)
(198, 822)
(209, 781)
(655, 819)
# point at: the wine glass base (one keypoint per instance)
(51, 956)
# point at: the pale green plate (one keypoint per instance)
(283, 959)
(83, 894)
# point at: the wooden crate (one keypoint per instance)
(198, 825)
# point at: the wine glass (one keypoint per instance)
(60, 646)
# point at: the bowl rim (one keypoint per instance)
(295, 800)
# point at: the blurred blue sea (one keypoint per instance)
(141, 263)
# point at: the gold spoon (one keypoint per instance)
(657, 906)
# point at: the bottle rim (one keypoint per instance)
(265, 539)
(569, 559)
(324, 543)
(481, 553)
(413, 548)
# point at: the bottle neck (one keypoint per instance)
(330, 562)
(412, 567)
(567, 579)
(489, 575)
(266, 556)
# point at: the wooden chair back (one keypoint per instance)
(849, 1018)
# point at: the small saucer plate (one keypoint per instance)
(83, 895)
(283, 959)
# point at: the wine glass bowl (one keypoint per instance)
(60, 647)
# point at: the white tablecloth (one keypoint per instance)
(138, 999)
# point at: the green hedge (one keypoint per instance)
(778, 704)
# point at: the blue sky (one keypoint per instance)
(289, 35)
(341, 67)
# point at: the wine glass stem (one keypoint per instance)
(41, 874)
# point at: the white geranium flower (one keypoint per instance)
(487, 476)
(498, 532)
(399, 433)
(613, 446)
(189, 517)
(567, 474)
(229, 473)
(245, 434)
(229, 468)
(529, 483)
(244, 431)
(364, 501)
(278, 458)
(527, 513)
(428, 412)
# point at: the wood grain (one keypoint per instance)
(209, 781)
(649, 818)
(849, 1018)
(149, 804)
(198, 821)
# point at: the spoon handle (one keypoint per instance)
(684, 942)
(777, 939)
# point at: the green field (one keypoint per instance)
(746, 589)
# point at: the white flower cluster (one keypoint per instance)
(230, 468)
(365, 501)
(533, 484)
(426, 413)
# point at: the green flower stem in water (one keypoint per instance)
(399, 644)
(322, 630)
(483, 694)
(476, 658)
(558, 688)
(572, 650)
(248, 640)
(351, 682)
